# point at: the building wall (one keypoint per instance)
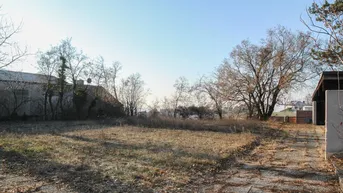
(307, 108)
(304, 117)
(284, 119)
(29, 98)
(33, 107)
(320, 112)
(334, 121)
(278, 119)
(292, 120)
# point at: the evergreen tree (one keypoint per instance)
(62, 82)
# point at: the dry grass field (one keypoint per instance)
(94, 157)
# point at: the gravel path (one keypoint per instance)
(295, 163)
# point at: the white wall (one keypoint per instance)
(35, 95)
(307, 108)
(334, 121)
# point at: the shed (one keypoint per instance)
(286, 115)
(328, 109)
(329, 80)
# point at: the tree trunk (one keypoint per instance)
(51, 107)
(274, 100)
(131, 111)
(264, 117)
(61, 103)
(93, 104)
(250, 113)
(115, 91)
(220, 113)
(45, 105)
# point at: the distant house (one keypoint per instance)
(293, 115)
(298, 105)
(22, 94)
(307, 108)
(286, 115)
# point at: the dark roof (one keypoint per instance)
(329, 80)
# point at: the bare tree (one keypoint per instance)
(77, 66)
(99, 71)
(47, 65)
(211, 87)
(236, 89)
(308, 99)
(76, 61)
(15, 94)
(167, 107)
(282, 61)
(105, 76)
(112, 78)
(10, 50)
(132, 93)
(180, 96)
(154, 107)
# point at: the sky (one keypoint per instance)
(160, 39)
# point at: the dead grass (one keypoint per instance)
(267, 129)
(160, 159)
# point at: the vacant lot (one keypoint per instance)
(93, 157)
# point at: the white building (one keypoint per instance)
(23, 93)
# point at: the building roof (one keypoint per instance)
(6, 75)
(329, 80)
(285, 113)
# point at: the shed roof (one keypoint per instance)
(329, 80)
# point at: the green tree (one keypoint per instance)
(325, 21)
(62, 82)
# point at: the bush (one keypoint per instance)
(226, 125)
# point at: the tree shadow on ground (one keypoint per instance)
(222, 126)
(78, 178)
(83, 178)
(51, 127)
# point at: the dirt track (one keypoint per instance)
(295, 163)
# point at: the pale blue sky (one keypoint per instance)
(160, 39)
